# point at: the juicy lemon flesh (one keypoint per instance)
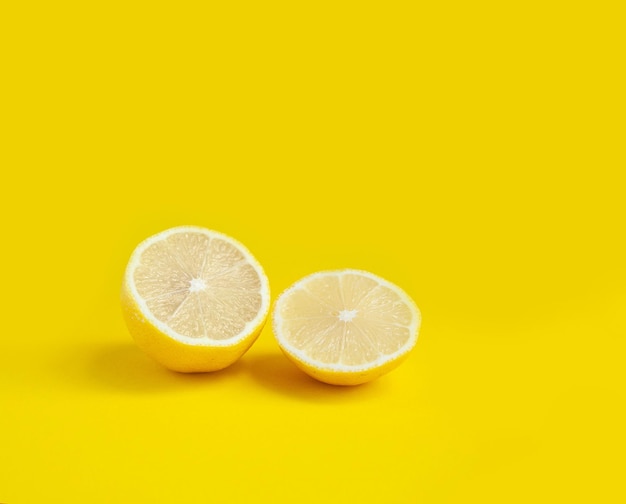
(200, 289)
(346, 327)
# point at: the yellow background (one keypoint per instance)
(471, 152)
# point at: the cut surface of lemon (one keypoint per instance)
(345, 327)
(194, 299)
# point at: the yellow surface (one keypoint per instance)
(470, 152)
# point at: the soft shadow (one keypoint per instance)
(274, 371)
(124, 367)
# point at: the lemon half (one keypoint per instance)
(345, 327)
(194, 299)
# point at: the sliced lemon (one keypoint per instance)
(194, 299)
(345, 327)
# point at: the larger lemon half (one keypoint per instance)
(194, 299)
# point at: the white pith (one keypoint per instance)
(347, 315)
(197, 285)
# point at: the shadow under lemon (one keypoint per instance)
(123, 367)
(277, 373)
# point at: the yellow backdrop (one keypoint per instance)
(470, 152)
